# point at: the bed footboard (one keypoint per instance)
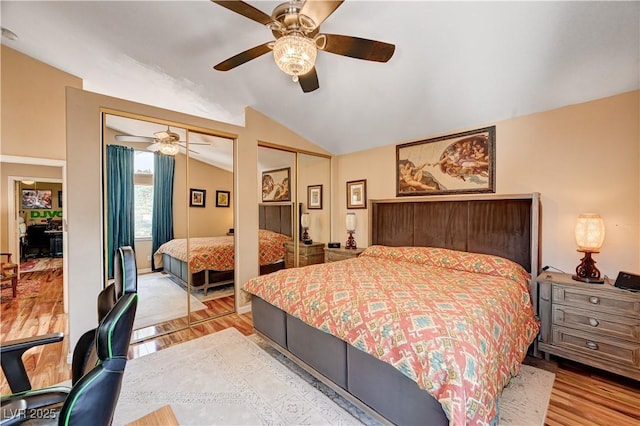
(368, 382)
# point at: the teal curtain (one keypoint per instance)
(162, 218)
(120, 201)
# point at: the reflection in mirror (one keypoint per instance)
(276, 177)
(314, 196)
(154, 219)
(211, 228)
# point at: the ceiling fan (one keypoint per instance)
(166, 141)
(296, 27)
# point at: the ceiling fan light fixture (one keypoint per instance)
(169, 148)
(295, 54)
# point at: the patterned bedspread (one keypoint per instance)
(216, 253)
(458, 324)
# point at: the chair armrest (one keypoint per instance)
(11, 358)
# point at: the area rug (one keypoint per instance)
(161, 300)
(41, 264)
(212, 293)
(226, 378)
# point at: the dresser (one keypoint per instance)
(595, 324)
(310, 254)
(336, 254)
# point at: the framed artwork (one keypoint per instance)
(275, 185)
(197, 197)
(36, 199)
(60, 199)
(222, 198)
(454, 164)
(314, 197)
(357, 194)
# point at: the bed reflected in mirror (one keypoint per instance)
(210, 226)
(151, 167)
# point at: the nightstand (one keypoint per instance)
(595, 324)
(336, 254)
(309, 254)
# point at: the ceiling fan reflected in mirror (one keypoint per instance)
(296, 27)
(166, 141)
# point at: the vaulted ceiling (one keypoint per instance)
(456, 64)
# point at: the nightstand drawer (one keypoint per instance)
(597, 322)
(596, 300)
(593, 345)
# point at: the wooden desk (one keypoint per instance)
(162, 416)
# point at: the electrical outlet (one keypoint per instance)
(148, 257)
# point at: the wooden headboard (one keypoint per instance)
(502, 225)
(276, 218)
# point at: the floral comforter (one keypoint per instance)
(458, 324)
(216, 253)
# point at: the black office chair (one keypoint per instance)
(98, 362)
(92, 398)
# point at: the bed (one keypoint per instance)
(483, 247)
(210, 262)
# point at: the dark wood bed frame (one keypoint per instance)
(503, 225)
(272, 217)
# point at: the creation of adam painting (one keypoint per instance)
(460, 163)
(275, 185)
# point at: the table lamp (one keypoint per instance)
(589, 234)
(351, 229)
(304, 222)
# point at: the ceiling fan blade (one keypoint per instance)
(243, 57)
(309, 81)
(154, 147)
(319, 11)
(130, 138)
(246, 10)
(184, 144)
(162, 135)
(359, 48)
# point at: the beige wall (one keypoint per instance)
(581, 158)
(32, 121)
(33, 106)
(85, 207)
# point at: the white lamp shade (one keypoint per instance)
(169, 148)
(351, 222)
(304, 220)
(589, 232)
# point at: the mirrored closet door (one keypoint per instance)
(160, 196)
(307, 201)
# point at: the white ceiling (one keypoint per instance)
(457, 64)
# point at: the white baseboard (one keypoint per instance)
(244, 309)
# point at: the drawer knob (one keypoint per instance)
(594, 322)
(592, 345)
(595, 300)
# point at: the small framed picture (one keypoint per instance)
(357, 194)
(314, 197)
(222, 198)
(197, 197)
(60, 199)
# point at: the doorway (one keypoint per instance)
(46, 172)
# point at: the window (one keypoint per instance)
(143, 192)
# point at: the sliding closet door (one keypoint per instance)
(210, 225)
(145, 206)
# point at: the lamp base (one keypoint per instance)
(351, 242)
(588, 280)
(586, 271)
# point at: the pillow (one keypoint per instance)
(452, 259)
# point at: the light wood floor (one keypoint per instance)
(580, 396)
